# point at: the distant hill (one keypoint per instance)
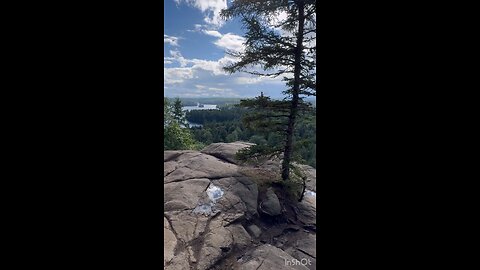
(212, 100)
(220, 102)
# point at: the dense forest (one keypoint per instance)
(222, 101)
(225, 125)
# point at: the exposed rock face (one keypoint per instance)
(311, 174)
(271, 205)
(307, 210)
(225, 151)
(200, 226)
(301, 246)
(267, 257)
(254, 230)
(169, 242)
(208, 201)
(185, 165)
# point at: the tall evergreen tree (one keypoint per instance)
(275, 46)
(178, 113)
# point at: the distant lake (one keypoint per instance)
(194, 125)
(205, 107)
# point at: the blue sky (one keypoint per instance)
(195, 40)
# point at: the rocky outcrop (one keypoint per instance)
(301, 245)
(271, 205)
(211, 208)
(226, 151)
(204, 198)
(306, 211)
(267, 257)
(169, 242)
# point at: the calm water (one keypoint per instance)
(194, 124)
(205, 107)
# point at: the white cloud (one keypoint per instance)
(210, 92)
(208, 68)
(247, 80)
(279, 17)
(215, 67)
(210, 8)
(198, 77)
(176, 75)
(198, 28)
(213, 33)
(177, 56)
(231, 41)
(216, 89)
(170, 40)
(258, 80)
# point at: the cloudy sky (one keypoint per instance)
(195, 40)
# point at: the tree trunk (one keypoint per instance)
(287, 154)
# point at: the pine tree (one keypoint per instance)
(277, 47)
(167, 116)
(178, 113)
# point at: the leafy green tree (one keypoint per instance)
(207, 136)
(232, 137)
(175, 137)
(178, 138)
(280, 47)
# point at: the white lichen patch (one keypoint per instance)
(203, 209)
(214, 194)
(309, 193)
